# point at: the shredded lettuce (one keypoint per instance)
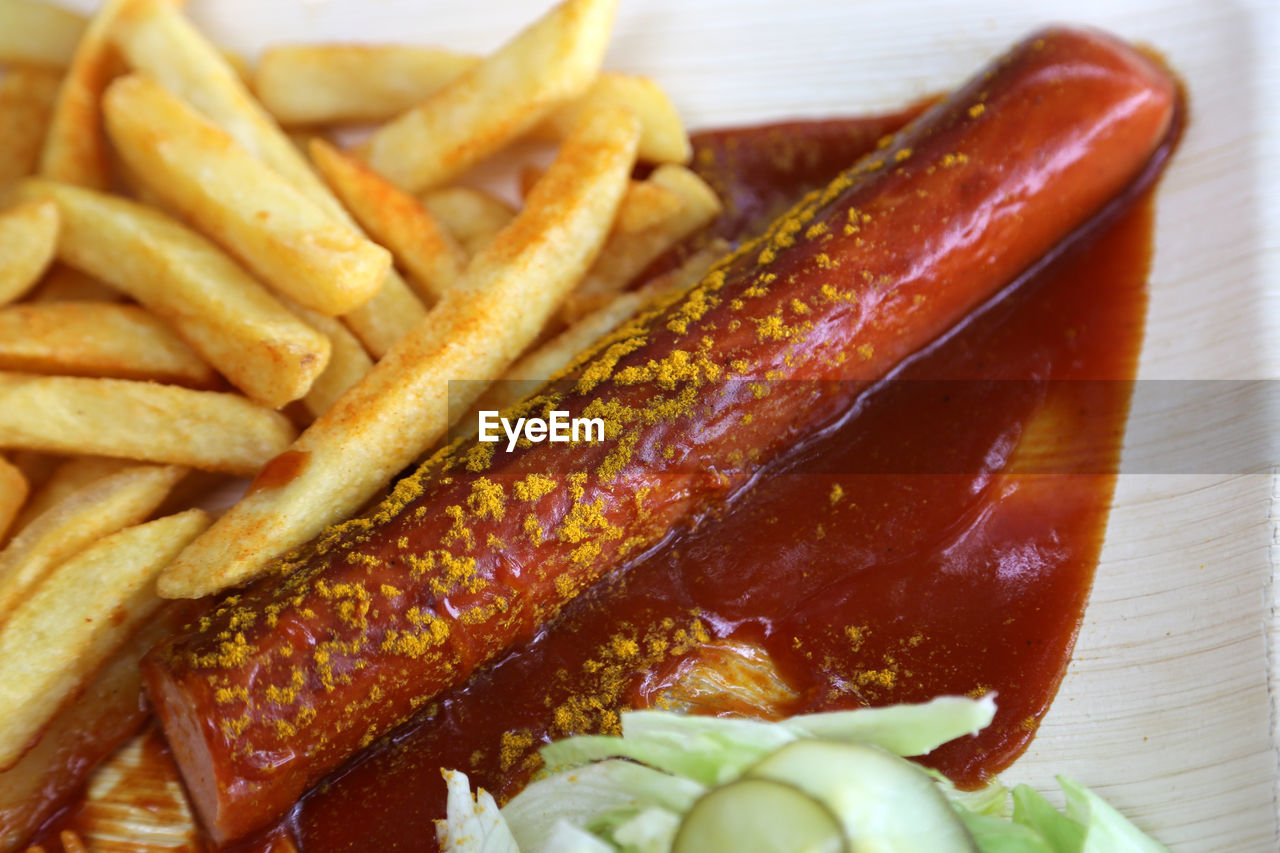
(630, 794)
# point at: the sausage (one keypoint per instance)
(470, 554)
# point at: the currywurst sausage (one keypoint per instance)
(363, 627)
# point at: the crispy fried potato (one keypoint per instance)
(38, 33)
(92, 339)
(13, 494)
(85, 731)
(352, 83)
(472, 216)
(213, 304)
(28, 239)
(346, 83)
(642, 233)
(75, 150)
(71, 475)
(68, 284)
(79, 518)
(27, 96)
(402, 406)
(348, 361)
(552, 61)
(209, 430)
(240, 202)
(155, 38)
(53, 642)
(421, 245)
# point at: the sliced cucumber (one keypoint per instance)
(885, 804)
(758, 816)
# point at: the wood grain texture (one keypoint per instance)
(1168, 708)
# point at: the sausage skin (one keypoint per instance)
(361, 628)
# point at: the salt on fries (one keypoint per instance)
(157, 40)
(279, 234)
(139, 420)
(349, 84)
(88, 339)
(27, 96)
(549, 63)
(48, 647)
(81, 517)
(212, 303)
(28, 238)
(421, 245)
(270, 264)
(402, 406)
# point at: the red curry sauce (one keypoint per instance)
(895, 558)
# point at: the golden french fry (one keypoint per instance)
(75, 150)
(337, 83)
(209, 430)
(37, 33)
(91, 339)
(13, 494)
(402, 406)
(348, 361)
(663, 138)
(240, 202)
(472, 216)
(552, 61)
(214, 305)
(79, 518)
(631, 249)
(71, 475)
(87, 730)
(27, 96)
(68, 284)
(420, 244)
(353, 83)
(155, 38)
(54, 641)
(28, 239)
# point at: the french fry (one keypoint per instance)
(75, 150)
(397, 220)
(348, 361)
(28, 239)
(277, 232)
(402, 406)
(54, 641)
(640, 236)
(13, 494)
(155, 38)
(472, 216)
(350, 83)
(85, 731)
(68, 284)
(27, 96)
(552, 61)
(90, 339)
(209, 430)
(77, 520)
(37, 33)
(215, 306)
(70, 476)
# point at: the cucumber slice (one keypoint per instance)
(758, 816)
(885, 804)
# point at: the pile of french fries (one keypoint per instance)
(196, 278)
